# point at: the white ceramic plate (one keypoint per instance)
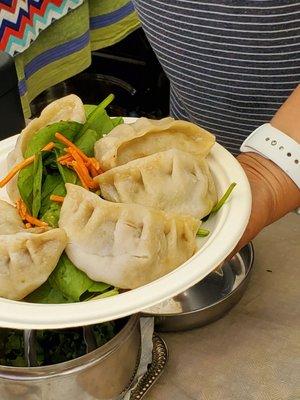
(227, 227)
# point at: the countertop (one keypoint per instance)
(252, 353)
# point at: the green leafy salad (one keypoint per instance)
(45, 179)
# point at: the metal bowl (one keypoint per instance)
(104, 373)
(208, 300)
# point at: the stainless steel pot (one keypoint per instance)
(102, 374)
(209, 299)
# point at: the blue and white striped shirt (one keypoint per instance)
(231, 63)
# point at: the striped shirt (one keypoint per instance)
(231, 63)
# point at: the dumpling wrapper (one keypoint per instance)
(127, 142)
(68, 108)
(125, 245)
(173, 181)
(27, 256)
(10, 220)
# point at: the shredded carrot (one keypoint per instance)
(21, 207)
(91, 161)
(48, 146)
(67, 163)
(84, 172)
(95, 163)
(86, 167)
(16, 169)
(77, 157)
(78, 172)
(65, 157)
(66, 160)
(28, 219)
(34, 221)
(92, 170)
(67, 142)
(56, 198)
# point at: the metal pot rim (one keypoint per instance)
(71, 366)
(222, 300)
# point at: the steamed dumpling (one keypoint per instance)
(68, 108)
(173, 181)
(10, 220)
(127, 142)
(125, 245)
(27, 256)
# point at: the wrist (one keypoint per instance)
(278, 193)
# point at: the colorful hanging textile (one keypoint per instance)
(50, 52)
(21, 21)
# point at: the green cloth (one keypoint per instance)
(64, 48)
(109, 35)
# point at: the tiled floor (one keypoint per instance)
(253, 353)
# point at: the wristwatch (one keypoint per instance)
(278, 147)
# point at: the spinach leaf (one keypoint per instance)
(117, 121)
(68, 279)
(53, 184)
(46, 294)
(72, 282)
(106, 125)
(47, 134)
(109, 293)
(68, 176)
(89, 108)
(98, 124)
(50, 162)
(87, 141)
(97, 118)
(37, 184)
(223, 199)
(25, 185)
(98, 287)
(49, 211)
(29, 178)
(51, 216)
(202, 232)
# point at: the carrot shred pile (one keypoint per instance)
(85, 167)
(28, 219)
(56, 198)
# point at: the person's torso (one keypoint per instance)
(231, 64)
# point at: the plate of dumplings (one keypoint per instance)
(102, 217)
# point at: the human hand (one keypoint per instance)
(274, 194)
(262, 198)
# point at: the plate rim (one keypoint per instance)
(51, 316)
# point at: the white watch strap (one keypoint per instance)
(277, 147)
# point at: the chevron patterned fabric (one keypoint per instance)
(21, 21)
(52, 40)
